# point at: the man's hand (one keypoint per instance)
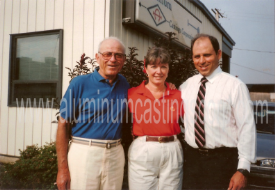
(238, 181)
(63, 179)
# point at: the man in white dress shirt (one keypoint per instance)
(220, 131)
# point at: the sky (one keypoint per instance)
(250, 23)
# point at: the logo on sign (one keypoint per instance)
(156, 14)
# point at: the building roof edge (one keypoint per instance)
(203, 8)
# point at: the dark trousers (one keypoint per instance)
(211, 169)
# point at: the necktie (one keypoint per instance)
(199, 115)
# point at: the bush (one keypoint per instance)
(35, 169)
(132, 70)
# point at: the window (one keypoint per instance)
(35, 66)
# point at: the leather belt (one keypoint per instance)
(161, 139)
(96, 143)
(207, 152)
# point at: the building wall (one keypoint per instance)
(207, 26)
(130, 37)
(85, 24)
(263, 96)
(133, 38)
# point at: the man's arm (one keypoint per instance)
(243, 113)
(63, 176)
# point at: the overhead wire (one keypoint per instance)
(247, 20)
(252, 69)
(255, 17)
(262, 18)
(248, 13)
(254, 50)
(249, 16)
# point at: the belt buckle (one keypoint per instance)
(203, 151)
(108, 145)
(159, 138)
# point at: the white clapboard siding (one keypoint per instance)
(15, 17)
(12, 115)
(89, 28)
(11, 130)
(28, 128)
(37, 125)
(46, 123)
(40, 15)
(24, 5)
(58, 24)
(99, 26)
(50, 10)
(107, 18)
(4, 76)
(68, 45)
(32, 11)
(28, 124)
(36, 130)
(59, 14)
(77, 39)
(85, 24)
(53, 126)
(19, 139)
(47, 111)
(2, 8)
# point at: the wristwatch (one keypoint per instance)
(244, 172)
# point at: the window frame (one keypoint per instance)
(12, 62)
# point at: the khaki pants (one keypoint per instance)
(96, 168)
(154, 165)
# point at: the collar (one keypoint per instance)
(141, 89)
(211, 78)
(100, 78)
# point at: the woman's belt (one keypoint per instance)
(161, 139)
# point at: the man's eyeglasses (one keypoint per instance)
(108, 55)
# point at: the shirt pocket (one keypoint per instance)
(220, 113)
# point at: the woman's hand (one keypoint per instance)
(172, 86)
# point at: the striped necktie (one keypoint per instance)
(199, 115)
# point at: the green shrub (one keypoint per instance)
(35, 169)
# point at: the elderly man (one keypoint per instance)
(219, 125)
(96, 103)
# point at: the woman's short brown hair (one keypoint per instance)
(157, 52)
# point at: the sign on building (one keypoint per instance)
(168, 16)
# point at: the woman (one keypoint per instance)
(155, 156)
